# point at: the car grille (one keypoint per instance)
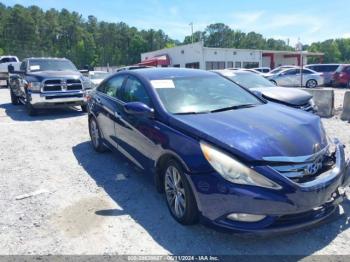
(53, 85)
(304, 169)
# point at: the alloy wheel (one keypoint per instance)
(94, 133)
(175, 191)
(311, 83)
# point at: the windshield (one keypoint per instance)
(250, 80)
(99, 75)
(51, 65)
(202, 94)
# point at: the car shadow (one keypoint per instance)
(18, 113)
(134, 192)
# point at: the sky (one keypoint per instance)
(309, 21)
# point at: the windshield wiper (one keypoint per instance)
(192, 113)
(232, 108)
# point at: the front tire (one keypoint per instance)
(14, 98)
(95, 136)
(311, 83)
(178, 193)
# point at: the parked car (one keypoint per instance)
(262, 69)
(96, 77)
(245, 69)
(291, 77)
(278, 70)
(261, 86)
(5, 61)
(48, 82)
(133, 67)
(327, 71)
(219, 152)
(341, 76)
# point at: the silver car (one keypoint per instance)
(292, 77)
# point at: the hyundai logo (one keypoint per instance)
(313, 168)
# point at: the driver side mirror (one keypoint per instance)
(138, 109)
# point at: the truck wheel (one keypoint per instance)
(14, 99)
(84, 108)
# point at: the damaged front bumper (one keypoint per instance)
(295, 206)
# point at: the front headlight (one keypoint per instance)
(34, 86)
(232, 170)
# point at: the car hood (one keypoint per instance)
(254, 133)
(56, 74)
(290, 96)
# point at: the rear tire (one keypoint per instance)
(178, 194)
(95, 135)
(14, 99)
(311, 83)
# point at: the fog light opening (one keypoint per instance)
(241, 217)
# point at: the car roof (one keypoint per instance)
(233, 72)
(165, 73)
(335, 64)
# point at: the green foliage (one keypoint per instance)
(221, 35)
(27, 32)
(30, 31)
(335, 50)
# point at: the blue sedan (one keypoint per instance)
(221, 155)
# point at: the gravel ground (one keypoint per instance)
(99, 204)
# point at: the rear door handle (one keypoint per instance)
(117, 115)
(98, 100)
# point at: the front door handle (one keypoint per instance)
(98, 100)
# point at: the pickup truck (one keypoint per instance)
(48, 82)
(5, 61)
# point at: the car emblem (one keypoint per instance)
(64, 85)
(313, 168)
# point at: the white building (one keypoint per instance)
(198, 56)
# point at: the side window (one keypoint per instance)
(305, 71)
(290, 72)
(134, 91)
(23, 66)
(112, 87)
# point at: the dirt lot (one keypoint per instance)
(99, 204)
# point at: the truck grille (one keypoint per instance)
(53, 85)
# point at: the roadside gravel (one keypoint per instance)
(99, 204)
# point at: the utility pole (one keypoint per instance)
(191, 24)
(299, 47)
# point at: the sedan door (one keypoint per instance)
(138, 136)
(288, 77)
(105, 106)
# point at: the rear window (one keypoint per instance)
(8, 60)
